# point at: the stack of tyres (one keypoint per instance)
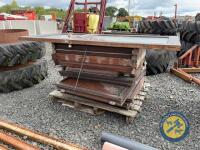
(189, 35)
(21, 63)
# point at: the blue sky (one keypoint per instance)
(139, 7)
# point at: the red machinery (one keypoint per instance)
(5, 16)
(80, 19)
(30, 14)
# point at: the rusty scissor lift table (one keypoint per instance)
(85, 60)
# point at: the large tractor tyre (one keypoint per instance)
(160, 26)
(197, 18)
(22, 76)
(189, 35)
(157, 61)
(191, 32)
(20, 53)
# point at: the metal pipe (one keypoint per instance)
(3, 147)
(176, 10)
(181, 74)
(195, 80)
(20, 145)
(124, 142)
(191, 70)
(42, 138)
(88, 3)
(185, 76)
(85, 6)
(109, 146)
(129, 3)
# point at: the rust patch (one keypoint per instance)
(12, 35)
(94, 59)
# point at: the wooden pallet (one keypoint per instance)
(97, 108)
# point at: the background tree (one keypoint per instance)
(40, 10)
(94, 10)
(122, 12)
(14, 4)
(60, 13)
(111, 11)
(7, 8)
(79, 10)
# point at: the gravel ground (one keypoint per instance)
(31, 108)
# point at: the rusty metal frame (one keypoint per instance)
(172, 42)
(93, 53)
(109, 59)
(102, 76)
(12, 35)
(98, 95)
(99, 60)
(191, 58)
(113, 68)
(119, 80)
(188, 63)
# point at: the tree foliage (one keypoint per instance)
(79, 10)
(111, 11)
(9, 7)
(120, 26)
(60, 13)
(122, 12)
(14, 4)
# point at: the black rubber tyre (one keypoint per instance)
(20, 53)
(190, 32)
(189, 35)
(159, 26)
(197, 18)
(158, 61)
(185, 46)
(22, 76)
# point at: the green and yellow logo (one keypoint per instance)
(174, 127)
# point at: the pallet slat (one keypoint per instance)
(60, 95)
(97, 108)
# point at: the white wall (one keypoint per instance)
(107, 21)
(24, 24)
(7, 25)
(35, 27)
(2, 25)
(46, 27)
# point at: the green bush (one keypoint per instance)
(121, 26)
